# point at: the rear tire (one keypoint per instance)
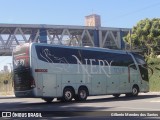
(82, 94)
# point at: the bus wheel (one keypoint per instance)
(48, 100)
(67, 94)
(116, 95)
(135, 91)
(82, 94)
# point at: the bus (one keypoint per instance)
(67, 72)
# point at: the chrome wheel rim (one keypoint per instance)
(134, 91)
(68, 95)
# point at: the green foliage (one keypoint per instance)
(155, 78)
(146, 35)
(154, 81)
(153, 61)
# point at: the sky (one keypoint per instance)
(114, 13)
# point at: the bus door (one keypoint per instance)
(132, 75)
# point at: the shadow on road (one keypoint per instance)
(123, 98)
(68, 110)
(24, 105)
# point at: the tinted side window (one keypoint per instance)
(65, 55)
(116, 58)
(57, 54)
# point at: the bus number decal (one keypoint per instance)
(19, 62)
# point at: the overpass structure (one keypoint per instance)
(16, 34)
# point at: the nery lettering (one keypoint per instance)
(93, 69)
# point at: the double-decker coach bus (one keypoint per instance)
(64, 72)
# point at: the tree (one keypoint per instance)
(146, 35)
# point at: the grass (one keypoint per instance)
(6, 93)
(155, 78)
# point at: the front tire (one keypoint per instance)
(135, 91)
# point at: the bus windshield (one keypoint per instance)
(142, 66)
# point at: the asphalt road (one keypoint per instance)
(96, 107)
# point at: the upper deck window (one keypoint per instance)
(65, 55)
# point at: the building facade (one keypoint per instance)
(93, 20)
